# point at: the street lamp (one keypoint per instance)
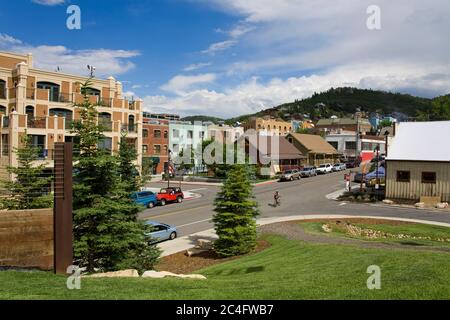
(91, 70)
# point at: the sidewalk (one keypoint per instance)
(187, 242)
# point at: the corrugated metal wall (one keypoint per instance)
(415, 188)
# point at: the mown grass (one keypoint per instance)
(286, 270)
(411, 229)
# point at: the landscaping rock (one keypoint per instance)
(442, 205)
(163, 274)
(194, 251)
(204, 244)
(388, 201)
(130, 273)
(420, 205)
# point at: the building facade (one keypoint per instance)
(224, 133)
(186, 136)
(155, 144)
(344, 124)
(314, 148)
(42, 104)
(351, 146)
(418, 161)
(268, 126)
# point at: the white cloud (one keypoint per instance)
(180, 83)
(254, 95)
(49, 2)
(107, 62)
(219, 46)
(197, 66)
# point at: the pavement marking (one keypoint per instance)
(177, 212)
(190, 224)
(197, 189)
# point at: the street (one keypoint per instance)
(304, 197)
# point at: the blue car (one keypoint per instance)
(146, 198)
(373, 175)
(162, 231)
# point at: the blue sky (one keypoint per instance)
(232, 57)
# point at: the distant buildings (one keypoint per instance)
(155, 144)
(344, 124)
(224, 133)
(418, 161)
(268, 126)
(314, 148)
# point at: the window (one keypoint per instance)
(335, 144)
(157, 133)
(176, 133)
(201, 134)
(52, 88)
(190, 134)
(166, 134)
(29, 110)
(144, 133)
(403, 176)
(157, 149)
(166, 149)
(176, 148)
(144, 149)
(428, 177)
(350, 145)
(2, 89)
(105, 144)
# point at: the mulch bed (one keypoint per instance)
(180, 263)
(360, 220)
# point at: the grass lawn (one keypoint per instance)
(410, 229)
(286, 270)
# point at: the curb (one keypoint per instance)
(187, 242)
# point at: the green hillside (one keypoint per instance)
(202, 118)
(346, 101)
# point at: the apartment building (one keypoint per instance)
(268, 126)
(224, 133)
(185, 136)
(155, 143)
(41, 103)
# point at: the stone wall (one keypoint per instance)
(26, 239)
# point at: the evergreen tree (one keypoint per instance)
(236, 211)
(107, 234)
(29, 187)
(128, 172)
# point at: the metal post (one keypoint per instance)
(62, 227)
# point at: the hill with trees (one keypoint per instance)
(345, 101)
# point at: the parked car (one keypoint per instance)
(162, 231)
(352, 164)
(170, 195)
(290, 175)
(308, 172)
(373, 174)
(145, 198)
(325, 168)
(339, 167)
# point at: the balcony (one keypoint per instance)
(130, 128)
(37, 123)
(106, 126)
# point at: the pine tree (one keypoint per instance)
(29, 187)
(107, 234)
(236, 211)
(127, 170)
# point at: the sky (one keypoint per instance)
(231, 57)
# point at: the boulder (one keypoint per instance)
(442, 205)
(162, 274)
(388, 201)
(130, 273)
(194, 251)
(204, 244)
(420, 205)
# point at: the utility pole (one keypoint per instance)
(169, 161)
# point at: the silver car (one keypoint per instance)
(308, 172)
(290, 175)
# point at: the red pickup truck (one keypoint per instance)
(170, 195)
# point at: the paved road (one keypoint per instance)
(306, 196)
